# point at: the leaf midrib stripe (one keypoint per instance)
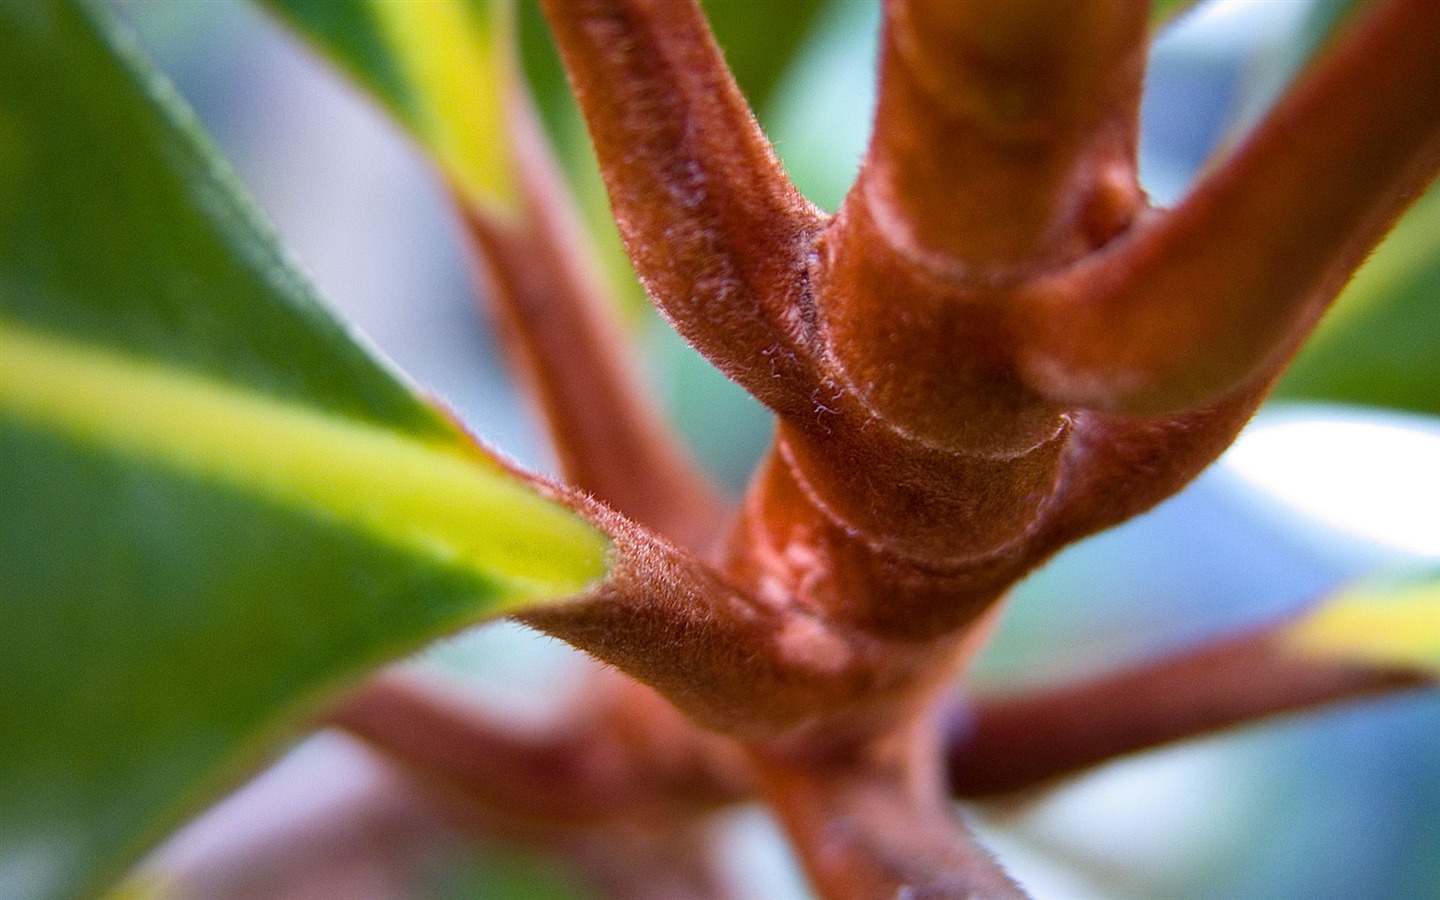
(446, 504)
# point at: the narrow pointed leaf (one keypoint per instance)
(1392, 622)
(214, 504)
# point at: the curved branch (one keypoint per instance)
(866, 831)
(1219, 292)
(1005, 132)
(560, 332)
(735, 664)
(714, 228)
(1006, 744)
(1004, 146)
(628, 756)
(1117, 467)
(623, 791)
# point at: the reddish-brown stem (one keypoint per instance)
(1005, 132)
(1004, 744)
(818, 532)
(627, 757)
(1219, 292)
(1004, 146)
(748, 665)
(878, 824)
(923, 461)
(633, 759)
(1116, 467)
(561, 334)
(623, 790)
(715, 230)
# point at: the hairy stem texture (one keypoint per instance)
(994, 349)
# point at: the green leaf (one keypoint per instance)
(822, 111)
(1165, 12)
(215, 507)
(438, 66)
(759, 46)
(1392, 621)
(1380, 343)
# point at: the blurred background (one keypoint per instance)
(1345, 803)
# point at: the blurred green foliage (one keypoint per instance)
(164, 619)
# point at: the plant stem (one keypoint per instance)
(627, 756)
(561, 334)
(878, 825)
(716, 232)
(1030, 107)
(1004, 744)
(1217, 294)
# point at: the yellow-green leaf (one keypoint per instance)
(215, 506)
(442, 67)
(1383, 622)
(432, 499)
(439, 66)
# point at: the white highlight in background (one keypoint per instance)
(1369, 475)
